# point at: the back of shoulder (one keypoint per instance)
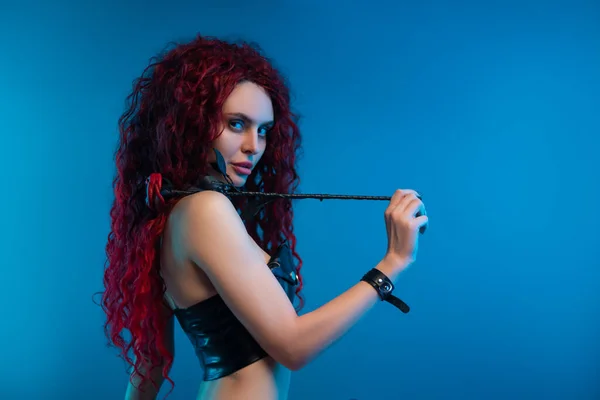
(206, 223)
(203, 204)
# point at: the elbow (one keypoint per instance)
(288, 349)
(292, 357)
(296, 365)
(291, 362)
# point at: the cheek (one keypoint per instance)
(225, 144)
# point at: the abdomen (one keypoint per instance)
(264, 380)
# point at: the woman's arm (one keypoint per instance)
(147, 391)
(208, 227)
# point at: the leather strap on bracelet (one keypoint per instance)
(384, 287)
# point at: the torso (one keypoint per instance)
(186, 285)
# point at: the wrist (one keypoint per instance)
(395, 264)
(383, 284)
(391, 267)
(382, 279)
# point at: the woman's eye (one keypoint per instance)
(237, 125)
(240, 126)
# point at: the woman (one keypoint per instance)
(230, 281)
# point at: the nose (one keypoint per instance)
(250, 143)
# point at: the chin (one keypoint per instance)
(237, 180)
(241, 182)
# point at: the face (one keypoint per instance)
(247, 120)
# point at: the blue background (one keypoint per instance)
(490, 110)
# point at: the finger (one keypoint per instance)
(414, 207)
(410, 191)
(396, 199)
(421, 222)
(399, 197)
(406, 202)
(412, 194)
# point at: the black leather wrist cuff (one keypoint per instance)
(384, 287)
(380, 282)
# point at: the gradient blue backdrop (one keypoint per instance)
(490, 110)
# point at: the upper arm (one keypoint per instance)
(213, 236)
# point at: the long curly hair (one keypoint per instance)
(173, 115)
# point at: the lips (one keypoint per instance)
(244, 165)
(244, 168)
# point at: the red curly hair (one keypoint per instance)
(173, 116)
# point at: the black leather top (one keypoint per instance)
(222, 343)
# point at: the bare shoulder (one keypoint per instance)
(204, 210)
(207, 225)
(203, 204)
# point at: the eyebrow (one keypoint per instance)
(247, 119)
